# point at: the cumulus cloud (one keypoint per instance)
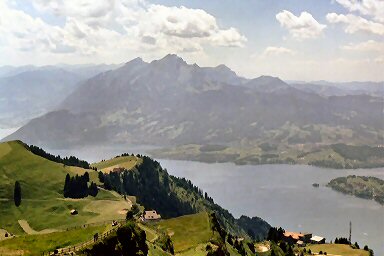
(276, 51)
(373, 8)
(355, 23)
(107, 26)
(300, 27)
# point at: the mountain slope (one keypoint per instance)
(168, 102)
(32, 93)
(43, 206)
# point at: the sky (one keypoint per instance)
(307, 40)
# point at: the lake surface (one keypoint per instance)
(284, 196)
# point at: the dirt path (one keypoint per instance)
(30, 231)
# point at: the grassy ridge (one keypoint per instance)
(36, 244)
(43, 205)
(127, 162)
(337, 249)
(197, 227)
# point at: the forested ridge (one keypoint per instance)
(173, 197)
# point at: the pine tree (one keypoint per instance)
(67, 185)
(17, 194)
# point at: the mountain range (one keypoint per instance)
(169, 102)
(29, 91)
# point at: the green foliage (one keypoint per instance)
(165, 243)
(361, 153)
(77, 186)
(275, 234)
(360, 186)
(70, 161)
(327, 164)
(17, 194)
(128, 240)
(172, 196)
(255, 227)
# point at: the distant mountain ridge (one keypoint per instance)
(169, 102)
(29, 91)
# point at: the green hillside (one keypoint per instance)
(43, 207)
(360, 186)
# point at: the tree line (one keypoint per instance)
(70, 161)
(77, 186)
(171, 196)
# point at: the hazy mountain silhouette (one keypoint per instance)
(169, 102)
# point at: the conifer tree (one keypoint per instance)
(17, 194)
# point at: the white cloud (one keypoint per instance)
(368, 46)
(276, 51)
(300, 27)
(102, 28)
(355, 23)
(373, 8)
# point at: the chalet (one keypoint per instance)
(317, 240)
(151, 215)
(293, 237)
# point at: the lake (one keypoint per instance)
(284, 196)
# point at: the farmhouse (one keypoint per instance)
(151, 215)
(317, 240)
(293, 237)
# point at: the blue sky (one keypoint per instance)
(336, 40)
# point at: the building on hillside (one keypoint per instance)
(74, 212)
(300, 243)
(151, 215)
(294, 237)
(317, 240)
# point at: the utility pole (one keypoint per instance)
(350, 232)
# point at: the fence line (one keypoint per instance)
(75, 248)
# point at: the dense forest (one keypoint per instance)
(128, 240)
(77, 186)
(70, 161)
(172, 196)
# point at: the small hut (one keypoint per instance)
(74, 212)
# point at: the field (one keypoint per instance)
(127, 162)
(186, 232)
(337, 249)
(43, 207)
(36, 244)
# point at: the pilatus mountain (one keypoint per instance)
(168, 102)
